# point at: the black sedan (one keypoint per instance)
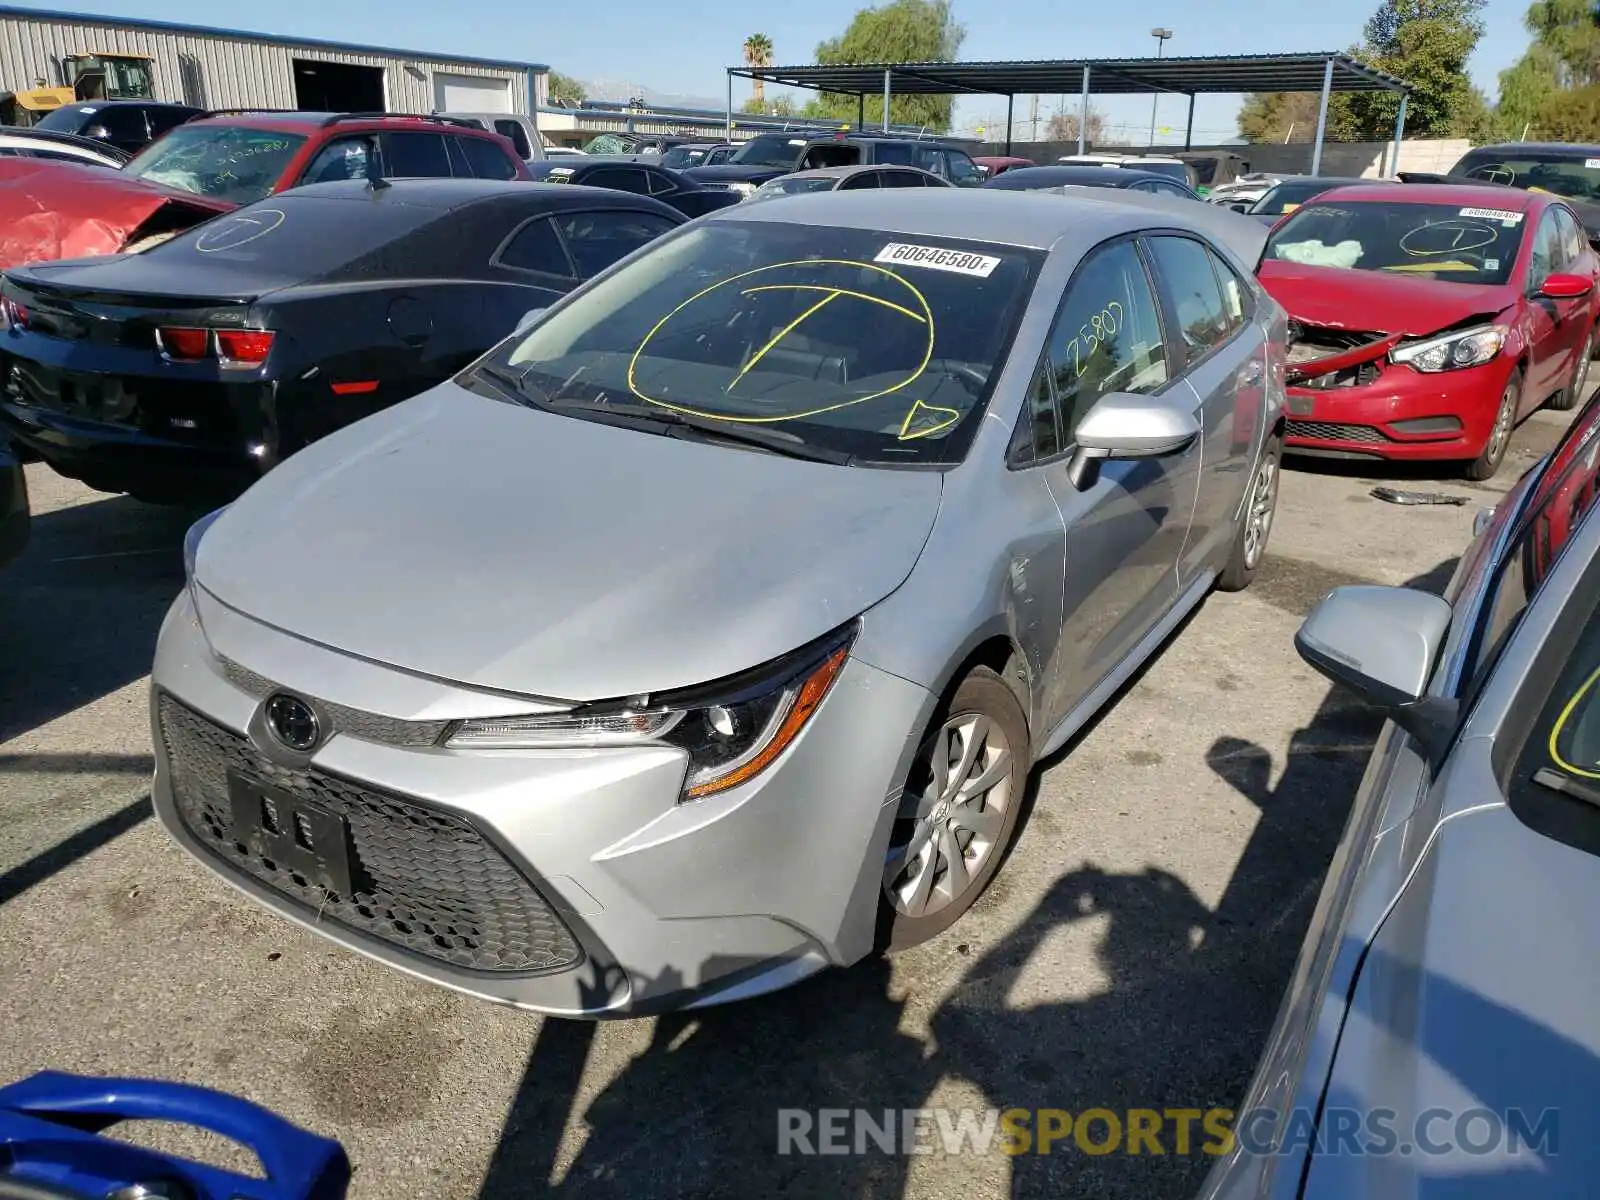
(13, 504)
(642, 179)
(190, 368)
(1033, 179)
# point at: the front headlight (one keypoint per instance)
(191, 541)
(1452, 351)
(745, 190)
(732, 730)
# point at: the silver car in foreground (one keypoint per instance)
(1440, 1035)
(702, 635)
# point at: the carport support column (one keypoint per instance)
(1188, 130)
(1399, 134)
(1322, 117)
(886, 75)
(730, 106)
(1010, 101)
(1083, 110)
(861, 111)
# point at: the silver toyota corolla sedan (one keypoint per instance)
(702, 635)
(1440, 1036)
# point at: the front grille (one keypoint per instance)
(426, 881)
(1331, 431)
(368, 726)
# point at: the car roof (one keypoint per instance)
(1588, 148)
(1058, 173)
(99, 104)
(450, 193)
(310, 122)
(1029, 220)
(1465, 194)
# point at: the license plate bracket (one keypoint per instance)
(296, 834)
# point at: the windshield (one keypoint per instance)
(790, 186)
(1574, 175)
(241, 165)
(770, 152)
(1174, 170)
(609, 143)
(873, 345)
(1437, 241)
(680, 157)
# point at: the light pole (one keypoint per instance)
(1161, 36)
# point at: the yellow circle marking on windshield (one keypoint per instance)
(829, 294)
(1561, 724)
(1453, 226)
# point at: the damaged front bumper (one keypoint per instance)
(1346, 399)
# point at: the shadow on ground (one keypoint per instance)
(1190, 996)
(81, 607)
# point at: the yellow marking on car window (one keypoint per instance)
(941, 416)
(817, 287)
(780, 335)
(800, 264)
(1561, 723)
(1433, 266)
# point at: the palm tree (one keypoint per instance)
(758, 53)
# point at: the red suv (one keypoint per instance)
(240, 156)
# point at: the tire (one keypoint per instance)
(1505, 423)
(1255, 525)
(1571, 396)
(916, 898)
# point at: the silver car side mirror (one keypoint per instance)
(528, 318)
(1382, 644)
(1127, 425)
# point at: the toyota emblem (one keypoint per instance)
(293, 723)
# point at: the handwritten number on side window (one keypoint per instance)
(1098, 329)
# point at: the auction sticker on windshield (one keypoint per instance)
(1504, 216)
(961, 262)
(1591, 164)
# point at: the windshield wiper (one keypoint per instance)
(680, 424)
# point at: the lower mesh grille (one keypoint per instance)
(1330, 431)
(424, 880)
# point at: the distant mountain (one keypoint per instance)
(622, 90)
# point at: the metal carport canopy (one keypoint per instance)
(1313, 72)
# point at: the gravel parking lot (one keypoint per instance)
(1132, 953)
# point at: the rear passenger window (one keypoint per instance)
(518, 136)
(598, 239)
(622, 179)
(893, 152)
(900, 179)
(1202, 318)
(537, 247)
(415, 156)
(485, 159)
(1236, 302)
(660, 185)
(1108, 336)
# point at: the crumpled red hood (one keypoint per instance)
(1376, 301)
(51, 209)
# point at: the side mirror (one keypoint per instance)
(1382, 643)
(1565, 287)
(1125, 425)
(97, 131)
(1240, 206)
(528, 318)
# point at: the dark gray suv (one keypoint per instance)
(770, 155)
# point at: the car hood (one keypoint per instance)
(506, 548)
(52, 210)
(735, 173)
(1335, 298)
(1474, 998)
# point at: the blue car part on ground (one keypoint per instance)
(51, 1145)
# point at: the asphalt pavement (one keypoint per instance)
(1131, 954)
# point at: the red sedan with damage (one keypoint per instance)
(1428, 319)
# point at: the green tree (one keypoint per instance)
(1279, 116)
(1426, 43)
(1063, 127)
(1572, 115)
(758, 53)
(1563, 57)
(564, 89)
(778, 106)
(902, 31)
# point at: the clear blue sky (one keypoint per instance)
(683, 47)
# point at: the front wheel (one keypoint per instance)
(1571, 396)
(1505, 420)
(959, 810)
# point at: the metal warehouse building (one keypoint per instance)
(227, 68)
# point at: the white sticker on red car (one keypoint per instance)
(1591, 164)
(1504, 215)
(962, 262)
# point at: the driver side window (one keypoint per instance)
(1107, 337)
